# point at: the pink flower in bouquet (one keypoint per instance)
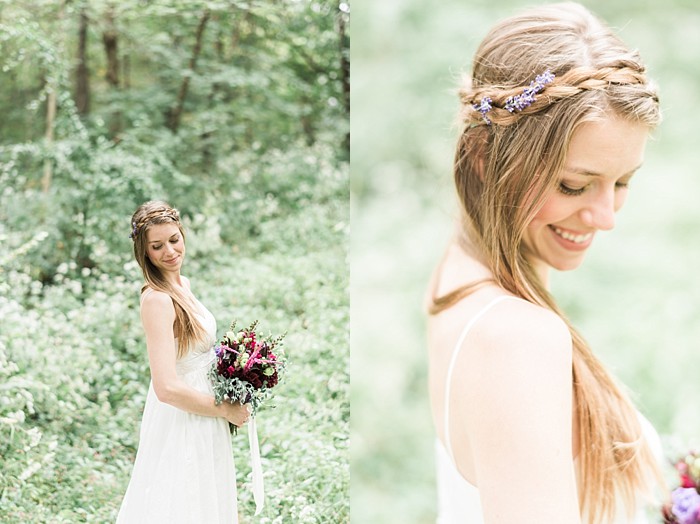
(687, 481)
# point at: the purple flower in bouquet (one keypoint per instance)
(686, 505)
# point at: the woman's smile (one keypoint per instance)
(570, 239)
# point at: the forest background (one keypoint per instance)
(237, 113)
(635, 299)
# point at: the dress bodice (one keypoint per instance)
(199, 354)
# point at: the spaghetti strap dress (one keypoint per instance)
(184, 471)
(458, 500)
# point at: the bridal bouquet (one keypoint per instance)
(684, 507)
(247, 366)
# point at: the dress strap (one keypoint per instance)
(453, 361)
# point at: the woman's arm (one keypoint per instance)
(158, 316)
(518, 410)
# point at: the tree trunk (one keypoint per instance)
(242, 30)
(175, 112)
(50, 118)
(82, 75)
(237, 32)
(208, 137)
(307, 121)
(51, 103)
(220, 48)
(344, 61)
(126, 72)
(344, 72)
(110, 38)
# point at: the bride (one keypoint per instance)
(184, 470)
(531, 428)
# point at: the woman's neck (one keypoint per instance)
(174, 279)
(542, 271)
(466, 245)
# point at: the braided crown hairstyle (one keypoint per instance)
(505, 169)
(187, 328)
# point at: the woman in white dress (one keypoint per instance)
(531, 428)
(184, 471)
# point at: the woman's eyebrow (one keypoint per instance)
(587, 172)
(156, 241)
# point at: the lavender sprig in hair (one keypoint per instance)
(517, 102)
(520, 102)
(483, 108)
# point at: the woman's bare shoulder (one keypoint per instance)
(154, 301)
(517, 402)
(519, 343)
(517, 323)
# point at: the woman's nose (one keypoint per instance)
(600, 212)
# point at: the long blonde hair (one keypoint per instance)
(504, 170)
(187, 329)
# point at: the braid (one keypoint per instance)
(157, 215)
(571, 83)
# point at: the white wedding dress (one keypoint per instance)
(459, 501)
(184, 471)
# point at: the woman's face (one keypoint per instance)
(602, 158)
(165, 247)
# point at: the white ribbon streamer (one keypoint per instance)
(258, 488)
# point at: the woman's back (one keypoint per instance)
(484, 379)
(504, 393)
(458, 499)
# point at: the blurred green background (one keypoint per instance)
(635, 299)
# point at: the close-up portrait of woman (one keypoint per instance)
(528, 323)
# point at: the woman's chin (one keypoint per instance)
(567, 265)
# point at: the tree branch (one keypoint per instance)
(175, 113)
